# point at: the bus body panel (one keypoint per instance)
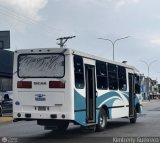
(117, 102)
(41, 101)
(67, 103)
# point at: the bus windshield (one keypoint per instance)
(41, 65)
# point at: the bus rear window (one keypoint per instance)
(41, 65)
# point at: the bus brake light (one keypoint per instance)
(24, 84)
(56, 84)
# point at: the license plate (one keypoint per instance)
(41, 108)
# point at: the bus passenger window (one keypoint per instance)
(102, 78)
(137, 84)
(112, 76)
(122, 78)
(79, 72)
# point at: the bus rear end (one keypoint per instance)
(41, 86)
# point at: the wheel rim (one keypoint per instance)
(102, 120)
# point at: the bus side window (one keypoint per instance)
(112, 76)
(122, 78)
(78, 72)
(101, 73)
(137, 84)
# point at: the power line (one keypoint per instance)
(27, 20)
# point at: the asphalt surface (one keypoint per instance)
(148, 125)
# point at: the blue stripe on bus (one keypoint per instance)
(79, 101)
(126, 95)
(80, 104)
(80, 117)
(106, 96)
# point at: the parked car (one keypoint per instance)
(6, 94)
(6, 100)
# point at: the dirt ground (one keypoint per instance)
(6, 119)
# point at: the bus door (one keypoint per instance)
(131, 95)
(90, 94)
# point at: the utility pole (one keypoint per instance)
(148, 82)
(63, 40)
(114, 42)
(148, 65)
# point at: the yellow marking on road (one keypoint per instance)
(5, 119)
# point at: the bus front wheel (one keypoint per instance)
(102, 120)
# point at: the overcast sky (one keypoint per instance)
(37, 24)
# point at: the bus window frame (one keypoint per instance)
(138, 84)
(40, 54)
(83, 74)
(116, 73)
(121, 89)
(105, 76)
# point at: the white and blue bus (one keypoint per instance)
(57, 86)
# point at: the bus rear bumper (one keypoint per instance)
(35, 116)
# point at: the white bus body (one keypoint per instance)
(57, 86)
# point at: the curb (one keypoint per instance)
(6, 119)
(151, 101)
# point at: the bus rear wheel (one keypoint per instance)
(102, 120)
(134, 119)
(61, 127)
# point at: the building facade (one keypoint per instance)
(6, 70)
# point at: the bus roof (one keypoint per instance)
(74, 52)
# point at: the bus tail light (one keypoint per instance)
(56, 84)
(24, 84)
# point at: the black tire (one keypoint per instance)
(59, 127)
(63, 126)
(134, 119)
(102, 120)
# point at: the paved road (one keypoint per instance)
(148, 125)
